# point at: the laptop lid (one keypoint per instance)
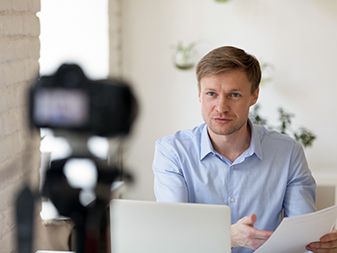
(153, 227)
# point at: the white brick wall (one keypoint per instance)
(19, 148)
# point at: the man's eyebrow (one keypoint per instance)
(210, 89)
(235, 90)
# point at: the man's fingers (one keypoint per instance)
(253, 218)
(324, 250)
(258, 238)
(323, 245)
(248, 220)
(327, 243)
(332, 250)
(262, 234)
(332, 236)
(256, 243)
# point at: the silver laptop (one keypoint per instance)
(152, 227)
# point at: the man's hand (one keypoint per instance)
(326, 244)
(243, 233)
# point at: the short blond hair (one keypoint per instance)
(229, 58)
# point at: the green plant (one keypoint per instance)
(267, 70)
(185, 56)
(222, 1)
(302, 135)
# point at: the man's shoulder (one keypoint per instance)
(186, 137)
(274, 137)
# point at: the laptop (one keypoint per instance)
(156, 227)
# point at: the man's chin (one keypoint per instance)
(221, 130)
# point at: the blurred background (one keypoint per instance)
(154, 44)
(140, 40)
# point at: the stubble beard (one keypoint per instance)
(226, 129)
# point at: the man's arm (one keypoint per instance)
(300, 195)
(169, 182)
(300, 198)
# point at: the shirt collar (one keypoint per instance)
(255, 141)
(206, 144)
(254, 146)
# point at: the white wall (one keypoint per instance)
(298, 37)
(75, 31)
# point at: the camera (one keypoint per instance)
(80, 185)
(68, 100)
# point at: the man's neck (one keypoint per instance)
(233, 145)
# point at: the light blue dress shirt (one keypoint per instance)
(271, 178)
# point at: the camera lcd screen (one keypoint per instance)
(61, 107)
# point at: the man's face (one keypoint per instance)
(225, 100)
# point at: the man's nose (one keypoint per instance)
(222, 104)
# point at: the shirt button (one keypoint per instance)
(231, 200)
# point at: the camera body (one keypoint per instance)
(78, 108)
(69, 101)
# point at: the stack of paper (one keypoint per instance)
(294, 233)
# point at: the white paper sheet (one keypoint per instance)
(294, 233)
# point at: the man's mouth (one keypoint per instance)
(224, 120)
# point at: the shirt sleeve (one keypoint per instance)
(169, 182)
(300, 194)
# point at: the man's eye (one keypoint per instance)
(235, 95)
(211, 93)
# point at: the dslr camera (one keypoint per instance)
(68, 100)
(79, 186)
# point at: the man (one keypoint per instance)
(260, 174)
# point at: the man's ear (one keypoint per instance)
(255, 96)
